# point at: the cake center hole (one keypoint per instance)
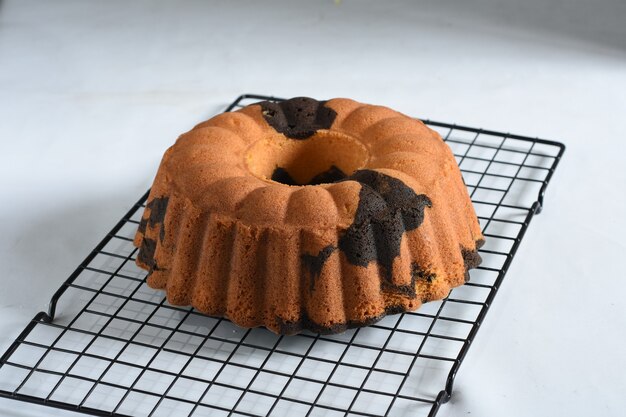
(323, 158)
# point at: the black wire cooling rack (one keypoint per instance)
(111, 346)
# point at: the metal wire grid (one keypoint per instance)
(118, 349)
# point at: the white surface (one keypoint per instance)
(91, 94)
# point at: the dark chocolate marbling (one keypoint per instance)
(387, 209)
(332, 174)
(158, 207)
(299, 117)
(314, 263)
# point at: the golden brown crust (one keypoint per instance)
(219, 234)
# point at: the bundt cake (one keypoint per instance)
(305, 214)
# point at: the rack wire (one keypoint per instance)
(111, 346)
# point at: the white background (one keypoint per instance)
(92, 93)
